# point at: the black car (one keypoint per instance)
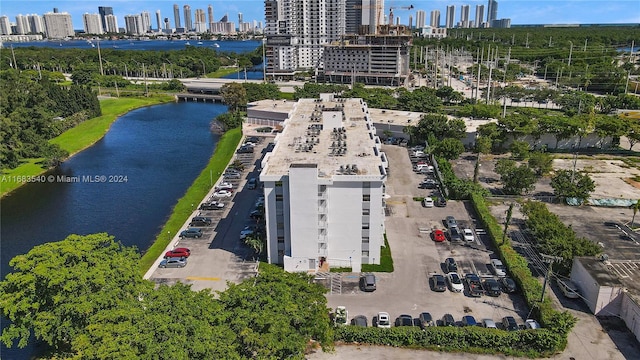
(368, 282)
(441, 202)
(508, 285)
(447, 320)
(404, 320)
(425, 319)
(200, 221)
(245, 150)
(191, 233)
(454, 235)
(438, 283)
(492, 287)
(451, 265)
(359, 320)
(213, 205)
(469, 320)
(509, 323)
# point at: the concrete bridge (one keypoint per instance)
(199, 97)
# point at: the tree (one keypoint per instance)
(56, 287)
(515, 179)
(519, 150)
(572, 184)
(633, 133)
(255, 243)
(541, 163)
(276, 314)
(449, 148)
(234, 95)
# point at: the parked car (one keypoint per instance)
(256, 215)
(508, 285)
(200, 221)
(404, 320)
(212, 205)
(359, 320)
(367, 282)
(173, 262)
(454, 235)
(441, 202)
(222, 193)
(455, 283)
(428, 202)
(474, 284)
(450, 265)
(509, 323)
(425, 320)
(341, 316)
(492, 287)
(468, 235)
(252, 183)
(489, 324)
(447, 320)
(438, 283)
(438, 235)
(383, 320)
(451, 222)
(498, 268)
(531, 324)
(246, 232)
(568, 288)
(178, 252)
(469, 320)
(224, 186)
(245, 150)
(191, 233)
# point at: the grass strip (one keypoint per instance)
(77, 139)
(223, 71)
(225, 150)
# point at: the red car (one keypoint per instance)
(178, 252)
(438, 235)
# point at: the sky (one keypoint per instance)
(520, 12)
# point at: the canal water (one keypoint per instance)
(126, 185)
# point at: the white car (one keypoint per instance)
(569, 289)
(224, 186)
(383, 320)
(222, 193)
(468, 235)
(455, 282)
(246, 232)
(341, 316)
(498, 267)
(531, 324)
(428, 202)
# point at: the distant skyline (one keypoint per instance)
(521, 12)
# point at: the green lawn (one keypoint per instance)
(78, 138)
(195, 194)
(222, 71)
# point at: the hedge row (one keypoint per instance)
(553, 320)
(474, 339)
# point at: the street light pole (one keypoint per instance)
(204, 71)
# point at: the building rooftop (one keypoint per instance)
(394, 117)
(281, 106)
(335, 134)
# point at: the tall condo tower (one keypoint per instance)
(176, 16)
(210, 17)
(421, 18)
(104, 11)
(479, 16)
(492, 12)
(464, 16)
(451, 16)
(435, 19)
(158, 20)
(188, 25)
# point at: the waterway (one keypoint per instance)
(138, 171)
(226, 46)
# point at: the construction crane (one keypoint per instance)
(410, 7)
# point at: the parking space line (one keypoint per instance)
(203, 278)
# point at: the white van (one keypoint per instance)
(423, 168)
(569, 289)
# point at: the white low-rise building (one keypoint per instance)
(324, 184)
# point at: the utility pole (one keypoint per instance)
(479, 66)
(584, 49)
(626, 86)
(100, 59)
(570, 52)
(526, 43)
(549, 260)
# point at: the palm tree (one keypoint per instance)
(255, 243)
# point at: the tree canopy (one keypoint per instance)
(572, 184)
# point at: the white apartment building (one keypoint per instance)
(5, 25)
(22, 25)
(451, 15)
(145, 16)
(92, 23)
(421, 18)
(36, 24)
(111, 23)
(324, 186)
(297, 30)
(429, 32)
(435, 19)
(133, 24)
(58, 25)
(479, 20)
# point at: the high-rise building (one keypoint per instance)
(146, 21)
(353, 16)
(112, 23)
(22, 25)
(5, 25)
(451, 16)
(36, 23)
(133, 24)
(372, 15)
(104, 11)
(92, 24)
(167, 24)
(210, 17)
(240, 20)
(464, 16)
(434, 20)
(492, 12)
(479, 16)
(200, 21)
(324, 202)
(176, 15)
(421, 18)
(297, 31)
(224, 26)
(188, 22)
(58, 25)
(159, 20)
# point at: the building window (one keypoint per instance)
(279, 197)
(278, 183)
(366, 197)
(281, 240)
(365, 226)
(366, 212)
(365, 253)
(365, 240)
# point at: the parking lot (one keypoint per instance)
(219, 255)
(417, 257)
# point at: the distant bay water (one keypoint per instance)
(155, 45)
